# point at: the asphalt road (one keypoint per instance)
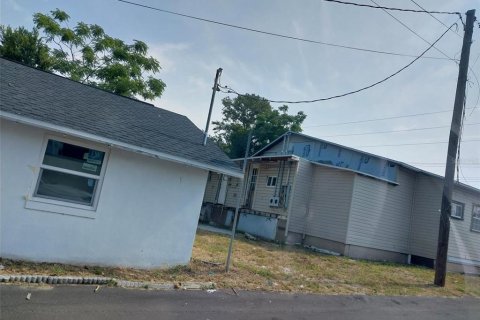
(80, 302)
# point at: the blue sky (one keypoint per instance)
(190, 51)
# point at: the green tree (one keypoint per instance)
(24, 46)
(249, 111)
(86, 54)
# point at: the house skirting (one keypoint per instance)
(359, 252)
(463, 268)
(349, 250)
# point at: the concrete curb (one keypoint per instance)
(106, 281)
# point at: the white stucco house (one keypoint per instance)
(90, 177)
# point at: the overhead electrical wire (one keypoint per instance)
(415, 33)
(412, 144)
(380, 119)
(431, 15)
(443, 53)
(393, 9)
(392, 131)
(442, 164)
(230, 90)
(278, 34)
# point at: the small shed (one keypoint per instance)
(91, 177)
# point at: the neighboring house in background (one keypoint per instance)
(90, 177)
(300, 189)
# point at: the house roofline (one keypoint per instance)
(275, 157)
(115, 143)
(93, 86)
(400, 163)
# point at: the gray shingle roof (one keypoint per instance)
(42, 96)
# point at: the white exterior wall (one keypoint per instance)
(146, 216)
(380, 214)
(464, 244)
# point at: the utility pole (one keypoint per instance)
(444, 229)
(214, 90)
(237, 206)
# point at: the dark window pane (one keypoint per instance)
(66, 187)
(68, 156)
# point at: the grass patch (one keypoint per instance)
(267, 266)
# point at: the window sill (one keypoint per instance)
(59, 207)
(456, 218)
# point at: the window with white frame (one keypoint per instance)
(70, 173)
(476, 218)
(457, 210)
(271, 181)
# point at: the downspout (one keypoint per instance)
(412, 206)
(289, 209)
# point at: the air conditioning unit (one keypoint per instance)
(274, 201)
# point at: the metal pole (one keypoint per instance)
(444, 228)
(237, 206)
(214, 90)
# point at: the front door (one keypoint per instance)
(251, 188)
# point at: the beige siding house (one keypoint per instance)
(300, 189)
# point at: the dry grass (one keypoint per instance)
(271, 267)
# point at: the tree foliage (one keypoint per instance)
(85, 53)
(24, 46)
(247, 112)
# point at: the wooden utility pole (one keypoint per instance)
(444, 229)
(214, 90)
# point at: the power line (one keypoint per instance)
(230, 90)
(393, 9)
(415, 33)
(380, 119)
(393, 131)
(443, 53)
(431, 15)
(278, 34)
(412, 144)
(440, 164)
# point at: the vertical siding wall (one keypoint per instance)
(380, 213)
(211, 188)
(300, 197)
(464, 244)
(426, 216)
(329, 204)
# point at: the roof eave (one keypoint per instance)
(118, 144)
